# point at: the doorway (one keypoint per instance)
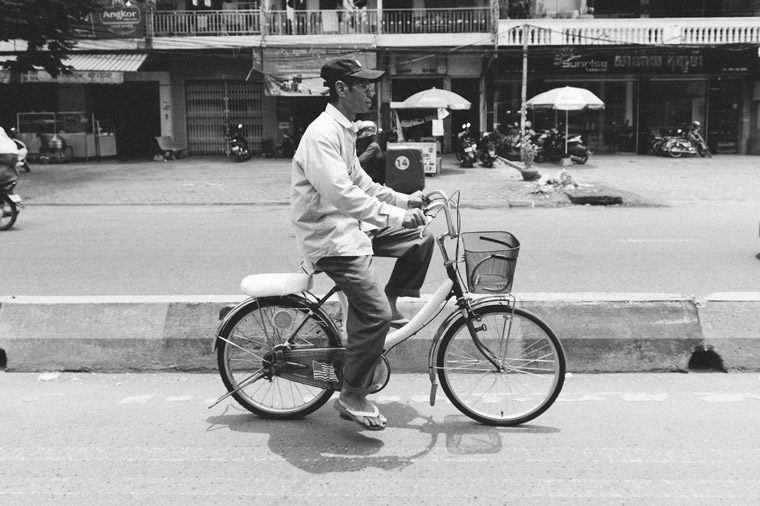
(213, 105)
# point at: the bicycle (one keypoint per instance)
(280, 354)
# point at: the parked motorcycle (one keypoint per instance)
(287, 149)
(467, 149)
(697, 141)
(487, 149)
(550, 145)
(678, 147)
(9, 201)
(510, 144)
(239, 149)
(23, 164)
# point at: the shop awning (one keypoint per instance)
(101, 68)
(105, 62)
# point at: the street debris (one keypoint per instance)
(48, 376)
(555, 183)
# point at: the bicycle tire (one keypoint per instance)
(253, 332)
(531, 373)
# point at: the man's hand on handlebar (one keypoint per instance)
(416, 200)
(414, 218)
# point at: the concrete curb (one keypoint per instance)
(601, 332)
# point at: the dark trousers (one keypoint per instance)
(369, 313)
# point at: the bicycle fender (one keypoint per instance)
(227, 314)
(453, 317)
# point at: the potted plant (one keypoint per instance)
(527, 155)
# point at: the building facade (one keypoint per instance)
(190, 68)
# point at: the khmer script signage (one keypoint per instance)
(635, 60)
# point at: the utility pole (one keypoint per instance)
(524, 91)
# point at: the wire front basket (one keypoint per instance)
(490, 259)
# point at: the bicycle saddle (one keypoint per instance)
(276, 284)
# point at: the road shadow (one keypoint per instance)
(323, 443)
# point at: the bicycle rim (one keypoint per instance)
(253, 334)
(531, 368)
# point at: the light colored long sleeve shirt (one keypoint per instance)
(332, 196)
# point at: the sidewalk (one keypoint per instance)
(640, 179)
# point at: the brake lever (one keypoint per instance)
(431, 211)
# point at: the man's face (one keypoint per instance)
(358, 96)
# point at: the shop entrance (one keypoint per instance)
(470, 90)
(610, 130)
(295, 114)
(135, 111)
(724, 118)
(667, 105)
(213, 105)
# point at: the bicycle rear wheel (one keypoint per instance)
(248, 343)
(530, 372)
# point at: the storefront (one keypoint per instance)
(295, 92)
(409, 73)
(646, 91)
(117, 106)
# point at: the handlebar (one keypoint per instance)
(437, 201)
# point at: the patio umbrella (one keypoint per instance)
(566, 99)
(436, 99)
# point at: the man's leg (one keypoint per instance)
(413, 254)
(369, 316)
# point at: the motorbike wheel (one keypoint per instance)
(675, 150)
(540, 157)
(8, 212)
(580, 158)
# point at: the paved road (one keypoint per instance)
(73, 239)
(207, 250)
(654, 439)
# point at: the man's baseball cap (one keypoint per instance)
(340, 68)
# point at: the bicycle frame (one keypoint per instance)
(450, 288)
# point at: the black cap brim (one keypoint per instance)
(369, 75)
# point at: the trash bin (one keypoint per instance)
(404, 169)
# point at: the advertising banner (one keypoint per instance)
(125, 22)
(634, 60)
(294, 72)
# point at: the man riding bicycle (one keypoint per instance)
(342, 218)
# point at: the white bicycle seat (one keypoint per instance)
(275, 284)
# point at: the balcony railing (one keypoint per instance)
(651, 31)
(216, 23)
(319, 22)
(437, 20)
(579, 32)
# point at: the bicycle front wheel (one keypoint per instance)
(247, 344)
(523, 378)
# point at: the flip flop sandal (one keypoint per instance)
(353, 416)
